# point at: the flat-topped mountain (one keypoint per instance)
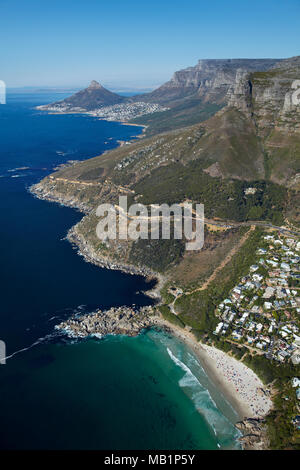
(255, 136)
(196, 93)
(192, 95)
(93, 97)
(254, 140)
(210, 79)
(242, 164)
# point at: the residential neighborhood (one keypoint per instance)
(127, 111)
(116, 112)
(262, 312)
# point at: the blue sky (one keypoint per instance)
(136, 43)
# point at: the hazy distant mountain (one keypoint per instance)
(192, 95)
(197, 93)
(209, 79)
(206, 82)
(256, 135)
(93, 97)
(243, 164)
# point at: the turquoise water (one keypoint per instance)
(116, 393)
(147, 392)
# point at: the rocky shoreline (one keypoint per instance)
(128, 320)
(87, 252)
(123, 320)
(254, 434)
(38, 191)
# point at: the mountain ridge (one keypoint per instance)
(207, 74)
(242, 163)
(253, 134)
(191, 95)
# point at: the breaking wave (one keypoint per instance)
(223, 429)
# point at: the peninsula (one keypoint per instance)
(237, 300)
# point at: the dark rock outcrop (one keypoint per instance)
(117, 321)
(254, 434)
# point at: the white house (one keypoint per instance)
(267, 305)
(295, 382)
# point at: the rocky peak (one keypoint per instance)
(93, 97)
(240, 92)
(94, 85)
(271, 97)
(271, 101)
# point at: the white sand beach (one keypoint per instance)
(239, 384)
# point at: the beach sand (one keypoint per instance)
(239, 384)
(246, 393)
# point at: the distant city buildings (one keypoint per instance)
(116, 112)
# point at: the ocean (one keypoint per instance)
(147, 392)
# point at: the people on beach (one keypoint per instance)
(246, 384)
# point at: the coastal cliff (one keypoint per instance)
(243, 164)
(267, 99)
(209, 79)
(102, 258)
(126, 320)
(191, 96)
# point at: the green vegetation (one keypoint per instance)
(282, 433)
(169, 316)
(237, 351)
(263, 367)
(265, 78)
(185, 114)
(294, 282)
(221, 198)
(166, 296)
(197, 309)
(157, 255)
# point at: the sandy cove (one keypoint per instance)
(239, 384)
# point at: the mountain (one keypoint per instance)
(192, 95)
(266, 99)
(256, 134)
(210, 79)
(253, 131)
(93, 97)
(197, 93)
(253, 141)
(242, 163)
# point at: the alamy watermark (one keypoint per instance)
(2, 92)
(2, 352)
(156, 222)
